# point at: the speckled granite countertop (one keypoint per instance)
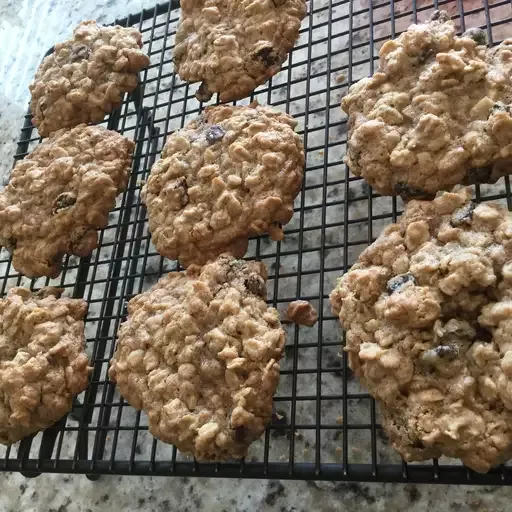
(28, 28)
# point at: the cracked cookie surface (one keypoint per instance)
(232, 46)
(199, 354)
(428, 317)
(60, 194)
(86, 76)
(42, 359)
(435, 114)
(232, 173)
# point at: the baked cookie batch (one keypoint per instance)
(427, 309)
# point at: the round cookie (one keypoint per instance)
(60, 194)
(42, 360)
(86, 76)
(428, 317)
(436, 112)
(235, 45)
(232, 173)
(199, 354)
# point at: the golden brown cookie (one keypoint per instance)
(436, 112)
(86, 76)
(199, 354)
(428, 317)
(233, 46)
(232, 173)
(60, 194)
(42, 360)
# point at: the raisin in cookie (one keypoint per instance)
(233, 46)
(436, 113)
(199, 354)
(86, 76)
(42, 360)
(232, 173)
(60, 194)
(428, 316)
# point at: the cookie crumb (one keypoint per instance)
(339, 420)
(340, 78)
(302, 312)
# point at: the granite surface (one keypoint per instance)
(28, 28)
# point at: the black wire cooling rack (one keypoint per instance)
(324, 426)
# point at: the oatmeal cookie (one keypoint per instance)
(86, 76)
(436, 113)
(235, 45)
(428, 317)
(232, 173)
(199, 354)
(60, 194)
(42, 360)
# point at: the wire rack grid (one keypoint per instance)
(325, 426)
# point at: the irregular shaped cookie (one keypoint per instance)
(42, 359)
(233, 46)
(302, 312)
(436, 113)
(86, 76)
(60, 194)
(232, 173)
(199, 354)
(428, 317)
